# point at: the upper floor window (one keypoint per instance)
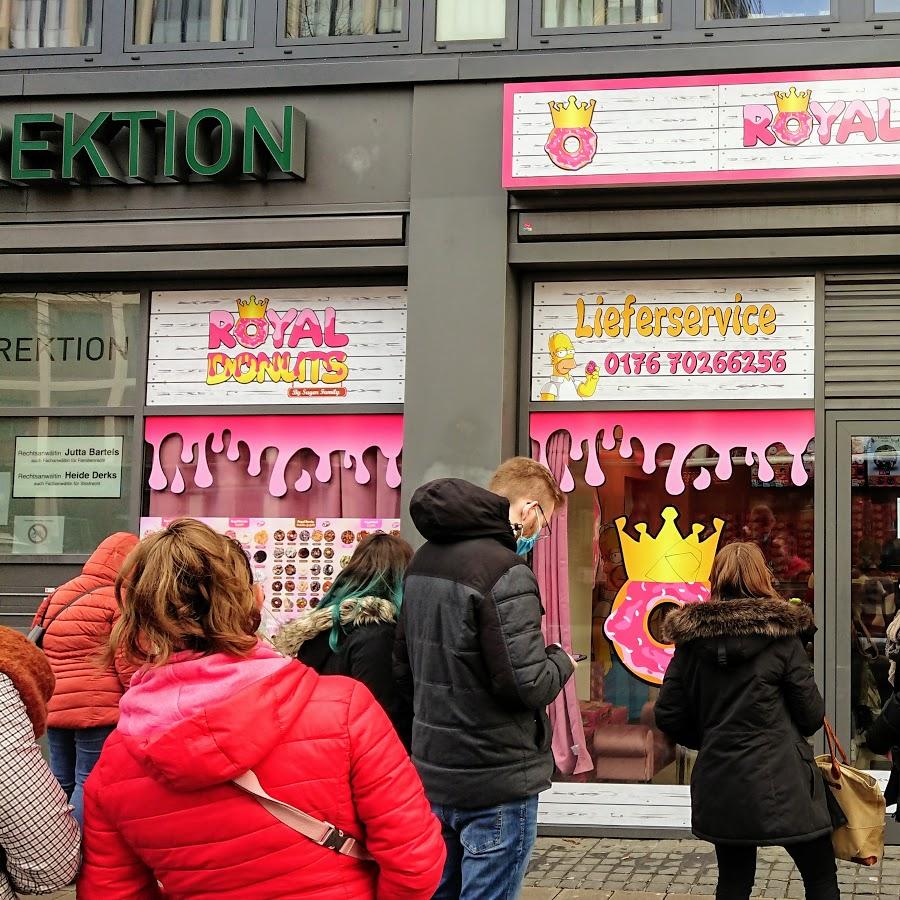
(342, 18)
(46, 24)
(598, 13)
(191, 21)
(765, 9)
(470, 20)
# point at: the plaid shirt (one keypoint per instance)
(38, 835)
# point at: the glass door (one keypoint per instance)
(865, 538)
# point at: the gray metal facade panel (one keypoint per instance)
(862, 337)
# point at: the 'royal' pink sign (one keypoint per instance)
(773, 126)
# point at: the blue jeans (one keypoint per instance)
(487, 850)
(73, 753)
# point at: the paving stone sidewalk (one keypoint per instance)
(609, 869)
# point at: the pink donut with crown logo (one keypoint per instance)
(251, 333)
(800, 132)
(571, 148)
(628, 624)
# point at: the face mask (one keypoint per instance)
(525, 545)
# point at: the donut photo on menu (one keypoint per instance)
(279, 535)
(304, 536)
(329, 553)
(292, 535)
(317, 536)
(316, 553)
(347, 537)
(329, 537)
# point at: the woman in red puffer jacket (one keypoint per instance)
(162, 816)
(77, 618)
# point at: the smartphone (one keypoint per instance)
(579, 657)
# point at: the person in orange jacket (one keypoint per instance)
(77, 619)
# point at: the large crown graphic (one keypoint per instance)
(252, 308)
(669, 557)
(572, 114)
(792, 101)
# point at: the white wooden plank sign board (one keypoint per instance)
(769, 126)
(296, 346)
(709, 339)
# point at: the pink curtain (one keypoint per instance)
(551, 565)
(235, 493)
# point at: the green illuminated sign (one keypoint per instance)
(150, 146)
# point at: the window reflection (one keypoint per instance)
(342, 18)
(765, 9)
(191, 21)
(594, 13)
(617, 706)
(874, 574)
(46, 24)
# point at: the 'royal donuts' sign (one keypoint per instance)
(336, 345)
(707, 128)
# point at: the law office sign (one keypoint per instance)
(835, 123)
(150, 145)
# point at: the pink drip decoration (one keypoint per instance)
(323, 435)
(722, 430)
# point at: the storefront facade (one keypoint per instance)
(285, 294)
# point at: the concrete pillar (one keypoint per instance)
(462, 344)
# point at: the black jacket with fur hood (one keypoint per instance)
(364, 653)
(740, 689)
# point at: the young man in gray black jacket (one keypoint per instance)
(471, 658)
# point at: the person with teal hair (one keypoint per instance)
(351, 632)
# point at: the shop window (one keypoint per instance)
(718, 10)
(68, 349)
(307, 465)
(63, 483)
(49, 24)
(875, 582)
(168, 22)
(343, 18)
(590, 14)
(652, 496)
(889, 8)
(299, 492)
(470, 20)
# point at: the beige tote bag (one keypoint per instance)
(861, 839)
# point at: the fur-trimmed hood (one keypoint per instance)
(354, 613)
(735, 630)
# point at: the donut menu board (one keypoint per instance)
(290, 346)
(834, 123)
(295, 560)
(704, 339)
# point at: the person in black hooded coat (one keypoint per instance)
(740, 689)
(471, 658)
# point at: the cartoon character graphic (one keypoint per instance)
(572, 143)
(562, 386)
(668, 569)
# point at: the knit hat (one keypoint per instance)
(27, 667)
